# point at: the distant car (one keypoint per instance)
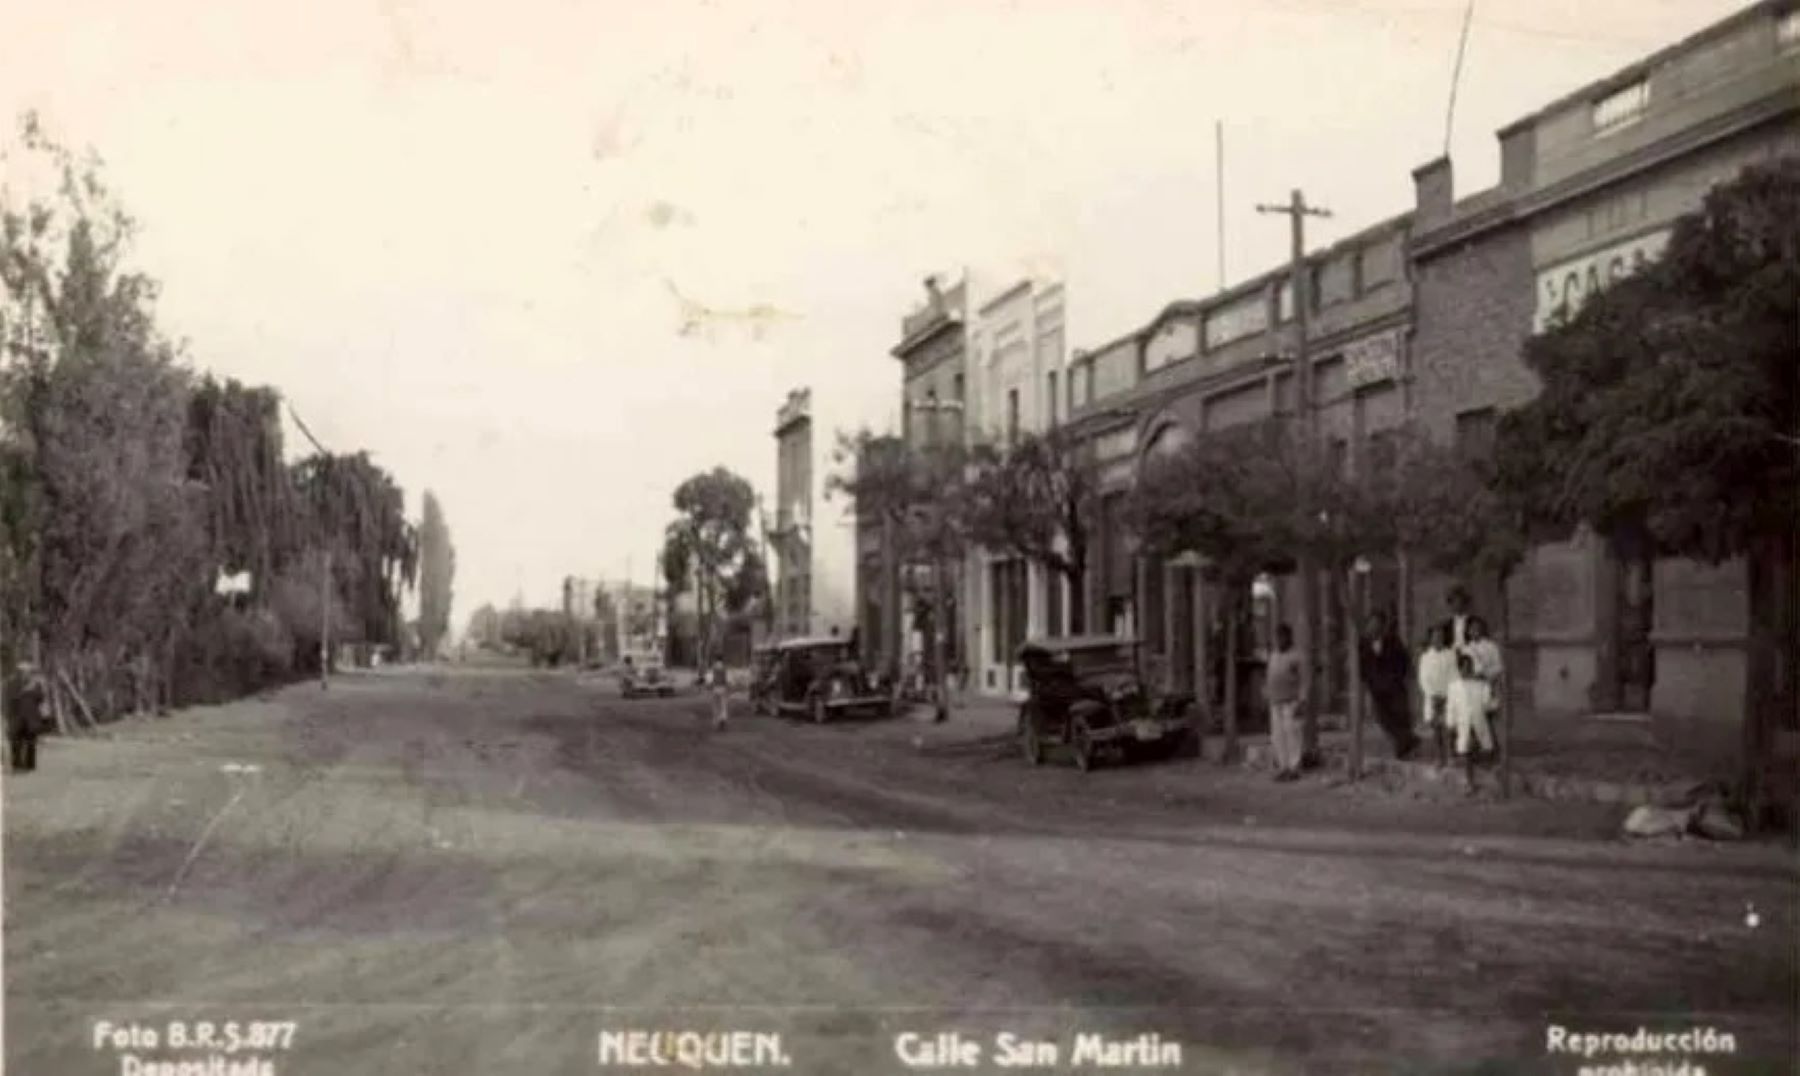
(821, 678)
(1087, 693)
(638, 681)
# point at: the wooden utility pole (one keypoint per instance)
(1297, 211)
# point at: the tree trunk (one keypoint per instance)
(1353, 644)
(1077, 600)
(940, 637)
(1232, 608)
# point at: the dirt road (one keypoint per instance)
(483, 871)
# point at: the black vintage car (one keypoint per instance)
(1087, 693)
(820, 677)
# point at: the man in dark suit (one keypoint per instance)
(24, 716)
(1457, 626)
(1384, 665)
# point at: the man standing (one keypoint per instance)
(1457, 627)
(1384, 667)
(1284, 681)
(24, 717)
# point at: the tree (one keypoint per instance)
(484, 627)
(357, 513)
(1038, 500)
(1263, 499)
(1669, 418)
(922, 497)
(437, 573)
(711, 537)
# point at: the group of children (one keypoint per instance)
(1459, 678)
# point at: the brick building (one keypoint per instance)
(1589, 187)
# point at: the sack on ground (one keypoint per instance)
(1647, 821)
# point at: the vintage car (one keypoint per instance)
(821, 678)
(1087, 693)
(645, 677)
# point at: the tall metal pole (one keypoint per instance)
(1219, 185)
(1297, 211)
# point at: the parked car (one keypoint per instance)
(647, 678)
(1087, 693)
(821, 678)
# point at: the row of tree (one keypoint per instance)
(1667, 421)
(130, 486)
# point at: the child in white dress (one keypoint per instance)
(1467, 708)
(1437, 668)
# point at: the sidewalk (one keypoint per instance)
(1622, 767)
(974, 721)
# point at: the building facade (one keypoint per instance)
(1222, 363)
(1016, 364)
(813, 540)
(1589, 188)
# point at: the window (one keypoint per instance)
(1012, 416)
(1475, 433)
(1018, 610)
(1622, 107)
(956, 386)
(1053, 602)
(1050, 401)
(996, 604)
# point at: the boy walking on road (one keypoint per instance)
(24, 716)
(721, 703)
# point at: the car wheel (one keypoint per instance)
(1029, 741)
(1082, 743)
(818, 711)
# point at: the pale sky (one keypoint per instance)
(453, 233)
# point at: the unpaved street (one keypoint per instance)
(479, 871)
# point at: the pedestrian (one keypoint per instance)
(1458, 624)
(1467, 707)
(1284, 680)
(24, 717)
(1384, 664)
(720, 694)
(1485, 653)
(1437, 668)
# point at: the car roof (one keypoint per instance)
(809, 642)
(1054, 643)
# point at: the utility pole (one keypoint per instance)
(325, 587)
(1297, 211)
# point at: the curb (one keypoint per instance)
(1543, 786)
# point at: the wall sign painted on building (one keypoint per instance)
(1372, 359)
(1563, 288)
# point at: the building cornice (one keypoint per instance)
(1523, 207)
(905, 348)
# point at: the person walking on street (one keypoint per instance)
(1437, 668)
(24, 717)
(720, 693)
(1384, 664)
(1285, 678)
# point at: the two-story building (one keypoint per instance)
(1222, 363)
(1589, 187)
(1016, 362)
(813, 539)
